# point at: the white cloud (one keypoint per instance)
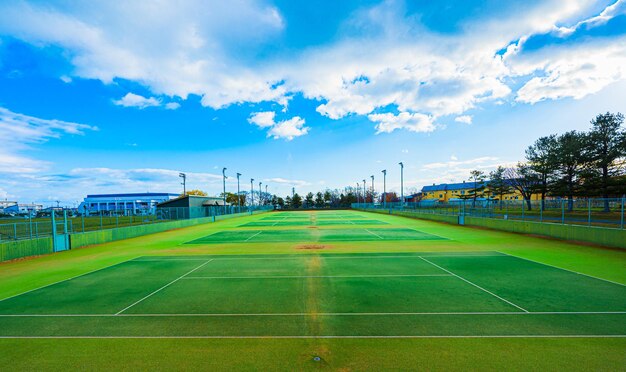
(465, 119)
(66, 79)
(210, 47)
(263, 119)
(287, 129)
(172, 105)
(284, 181)
(23, 131)
(387, 123)
(135, 100)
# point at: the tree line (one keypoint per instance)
(573, 164)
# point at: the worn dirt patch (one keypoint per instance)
(311, 227)
(313, 246)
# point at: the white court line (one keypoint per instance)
(560, 268)
(311, 337)
(374, 234)
(165, 286)
(486, 313)
(65, 280)
(350, 257)
(475, 285)
(260, 231)
(316, 276)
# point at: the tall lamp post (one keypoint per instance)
(184, 177)
(238, 194)
(401, 184)
(260, 193)
(384, 172)
(372, 189)
(224, 191)
(266, 191)
(364, 194)
(251, 192)
(358, 193)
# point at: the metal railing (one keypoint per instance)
(581, 211)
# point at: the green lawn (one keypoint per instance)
(499, 300)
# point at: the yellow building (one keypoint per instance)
(446, 192)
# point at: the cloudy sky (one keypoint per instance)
(119, 96)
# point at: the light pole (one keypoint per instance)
(184, 177)
(266, 192)
(358, 191)
(384, 171)
(238, 194)
(364, 194)
(401, 184)
(251, 192)
(260, 195)
(372, 189)
(224, 192)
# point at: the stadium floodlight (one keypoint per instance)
(224, 181)
(251, 191)
(238, 194)
(364, 194)
(184, 183)
(401, 184)
(384, 172)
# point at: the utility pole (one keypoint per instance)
(238, 194)
(184, 177)
(401, 184)
(224, 182)
(251, 191)
(384, 171)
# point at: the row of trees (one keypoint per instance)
(589, 164)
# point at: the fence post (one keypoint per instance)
(30, 225)
(541, 206)
(523, 202)
(82, 217)
(589, 212)
(100, 220)
(562, 212)
(36, 229)
(15, 231)
(622, 218)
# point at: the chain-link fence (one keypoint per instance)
(581, 211)
(17, 228)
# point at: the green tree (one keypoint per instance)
(296, 201)
(498, 184)
(571, 160)
(319, 200)
(542, 157)
(197, 192)
(327, 197)
(288, 202)
(478, 180)
(280, 201)
(606, 150)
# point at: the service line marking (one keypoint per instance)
(317, 276)
(260, 231)
(475, 285)
(380, 237)
(163, 287)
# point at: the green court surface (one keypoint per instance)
(273, 290)
(430, 294)
(314, 235)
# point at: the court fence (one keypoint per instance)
(598, 221)
(24, 239)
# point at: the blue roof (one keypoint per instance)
(454, 186)
(138, 195)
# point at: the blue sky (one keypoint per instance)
(101, 96)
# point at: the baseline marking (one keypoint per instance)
(560, 268)
(475, 285)
(162, 288)
(313, 337)
(316, 276)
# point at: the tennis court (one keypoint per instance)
(434, 294)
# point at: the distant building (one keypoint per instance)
(131, 203)
(189, 206)
(19, 208)
(446, 192)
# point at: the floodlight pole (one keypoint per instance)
(401, 184)
(384, 171)
(224, 192)
(372, 189)
(251, 192)
(266, 191)
(238, 194)
(184, 177)
(260, 195)
(364, 194)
